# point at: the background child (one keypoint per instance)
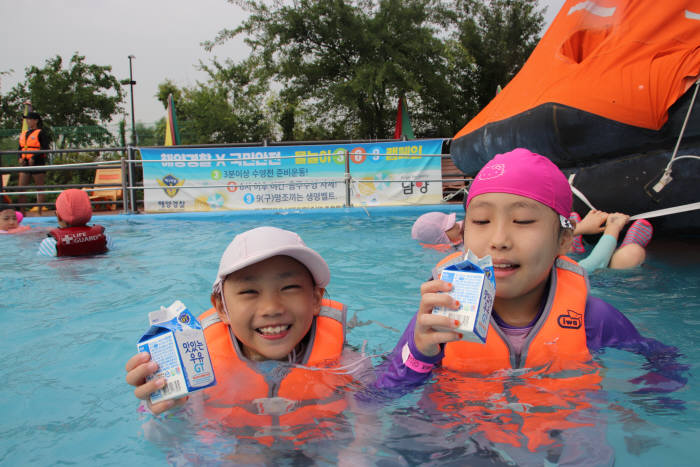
(543, 318)
(269, 306)
(631, 252)
(74, 237)
(10, 219)
(438, 230)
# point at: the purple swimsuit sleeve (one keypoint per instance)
(606, 326)
(395, 373)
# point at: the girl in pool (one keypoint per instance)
(439, 231)
(268, 307)
(544, 322)
(10, 220)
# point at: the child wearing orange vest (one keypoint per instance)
(268, 307)
(544, 325)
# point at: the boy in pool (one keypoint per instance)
(543, 322)
(10, 219)
(74, 237)
(268, 307)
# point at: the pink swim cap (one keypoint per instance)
(73, 207)
(522, 172)
(19, 216)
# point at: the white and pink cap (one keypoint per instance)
(430, 228)
(261, 243)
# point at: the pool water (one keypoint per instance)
(69, 325)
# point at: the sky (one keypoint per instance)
(164, 36)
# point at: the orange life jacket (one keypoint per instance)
(30, 143)
(554, 373)
(261, 402)
(557, 341)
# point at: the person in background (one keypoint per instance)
(439, 231)
(74, 237)
(10, 220)
(33, 139)
(606, 253)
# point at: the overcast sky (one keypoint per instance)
(163, 35)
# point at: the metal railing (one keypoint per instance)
(18, 191)
(129, 188)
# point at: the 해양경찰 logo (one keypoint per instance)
(168, 182)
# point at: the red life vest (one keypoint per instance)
(30, 143)
(557, 372)
(258, 403)
(80, 241)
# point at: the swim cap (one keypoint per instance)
(19, 216)
(73, 207)
(522, 172)
(256, 245)
(430, 228)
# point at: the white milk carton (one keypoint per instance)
(176, 343)
(474, 286)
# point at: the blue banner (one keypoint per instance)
(260, 177)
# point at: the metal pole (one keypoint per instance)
(130, 181)
(134, 138)
(125, 192)
(348, 180)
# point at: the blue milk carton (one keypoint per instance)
(176, 343)
(474, 286)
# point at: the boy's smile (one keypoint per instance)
(271, 305)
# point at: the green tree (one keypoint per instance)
(148, 134)
(229, 107)
(80, 95)
(343, 64)
(499, 36)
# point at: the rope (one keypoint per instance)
(685, 122)
(578, 193)
(644, 215)
(667, 211)
(452, 195)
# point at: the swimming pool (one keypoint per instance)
(70, 325)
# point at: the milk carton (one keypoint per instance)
(474, 286)
(176, 343)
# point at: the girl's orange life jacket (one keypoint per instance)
(29, 140)
(557, 341)
(557, 370)
(260, 401)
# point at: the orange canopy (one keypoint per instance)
(624, 60)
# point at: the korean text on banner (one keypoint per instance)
(310, 176)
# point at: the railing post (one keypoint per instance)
(130, 154)
(348, 181)
(125, 196)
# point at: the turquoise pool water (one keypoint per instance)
(69, 326)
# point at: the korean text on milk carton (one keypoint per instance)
(474, 286)
(176, 343)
